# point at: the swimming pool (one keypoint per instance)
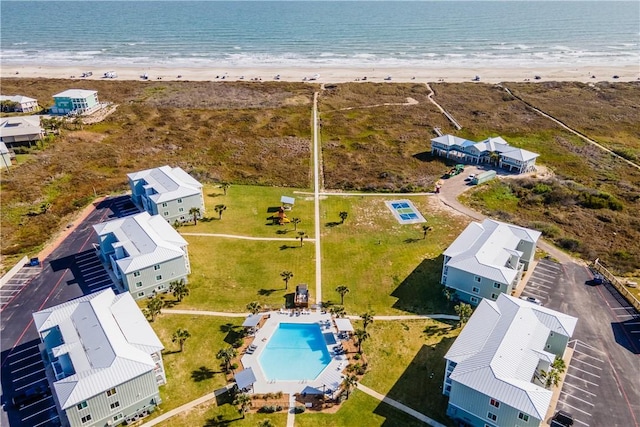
(296, 351)
(405, 212)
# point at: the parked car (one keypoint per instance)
(470, 177)
(562, 419)
(598, 279)
(30, 395)
(532, 300)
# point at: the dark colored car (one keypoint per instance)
(562, 419)
(30, 395)
(598, 279)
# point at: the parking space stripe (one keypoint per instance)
(30, 348)
(27, 366)
(577, 398)
(39, 412)
(26, 358)
(581, 422)
(586, 363)
(46, 421)
(590, 348)
(577, 409)
(37, 402)
(586, 372)
(31, 383)
(582, 379)
(581, 390)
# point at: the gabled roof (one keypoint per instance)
(3, 148)
(75, 93)
(499, 349)
(168, 183)
(106, 338)
(484, 249)
(519, 154)
(147, 240)
(449, 140)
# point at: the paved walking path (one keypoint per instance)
(399, 406)
(183, 408)
(235, 236)
(411, 317)
(291, 413)
(204, 313)
(316, 198)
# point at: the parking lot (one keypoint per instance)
(542, 281)
(33, 405)
(14, 285)
(581, 386)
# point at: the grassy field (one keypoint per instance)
(249, 209)
(388, 267)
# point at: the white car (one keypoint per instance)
(470, 177)
(532, 300)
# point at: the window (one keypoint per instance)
(159, 277)
(524, 417)
(164, 205)
(495, 403)
(115, 405)
(138, 284)
(179, 200)
(180, 209)
(496, 285)
(156, 267)
(492, 417)
(444, 280)
(494, 296)
(111, 392)
(166, 214)
(474, 300)
(475, 290)
(136, 274)
(141, 294)
(477, 279)
(82, 405)
(117, 417)
(446, 269)
(86, 419)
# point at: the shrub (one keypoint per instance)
(268, 409)
(356, 356)
(298, 409)
(278, 408)
(569, 244)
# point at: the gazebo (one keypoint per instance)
(344, 326)
(252, 321)
(301, 298)
(287, 202)
(245, 379)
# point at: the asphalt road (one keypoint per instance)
(69, 272)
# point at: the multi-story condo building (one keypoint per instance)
(75, 101)
(102, 359)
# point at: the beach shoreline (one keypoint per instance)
(325, 74)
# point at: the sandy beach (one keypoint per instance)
(333, 74)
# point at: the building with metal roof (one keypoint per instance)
(18, 103)
(493, 369)
(5, 156)
(145, 253)
(168, 192)
(20, 130)
(488, 259)
(491, 150)
(75, 101)
(102, 359)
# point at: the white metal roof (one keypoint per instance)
(20, 99)
(498, 351)
(484, 249)
(449, 140)
(245, 378)
(107, 339)
(3, 148)
(519, 154)
(344, 325)
(168, 183)
(75, 93)
(148, 240)
(287, 200)
(15, 126)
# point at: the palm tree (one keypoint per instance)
(286, 276)
(295, 222)
(342, 290)
(550, 378)
(227, 355)
(559, 365)
(179, 289)
(154, 307)
(362, 336)
(225, 186)
(425, 230)
(337, 311)
(219, 209)
(254, 307)
(349, 382)
(494, 158)
(181, 336)
(301, 237)
(243, 402)
(464, 312)
(367, 319)
(343, 216)
(195, 213)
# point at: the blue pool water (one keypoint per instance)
(295, 352)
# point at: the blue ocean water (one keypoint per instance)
(305, 33)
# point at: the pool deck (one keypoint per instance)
(331, 377)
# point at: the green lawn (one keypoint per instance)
(249, 208)
(229, 273)
(388, 267)
(194, 372)
(213, 415)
